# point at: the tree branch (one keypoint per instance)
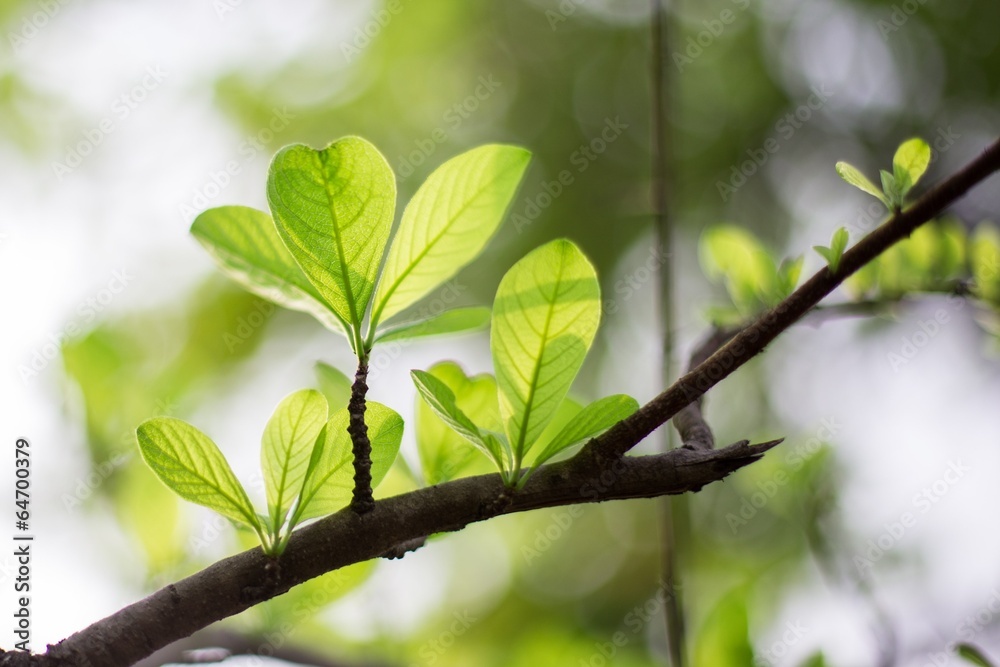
(599, 472)
(234, 584)
(362, 501)
(752, 340)
(694, 431)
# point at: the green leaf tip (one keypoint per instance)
(853, 175)
(833, 254)
(909, 163)
(449, 221)
(190, 464)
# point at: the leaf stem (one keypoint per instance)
(363, 501)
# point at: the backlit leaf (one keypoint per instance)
(190, 464)
(545, 317)
(333, 209)
(448, 223)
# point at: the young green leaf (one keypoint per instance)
(441, 399)
(443, 452)
(593, 420)
(329, 480)
(984, 259)
(334, 385)
(750, 273)
(286, 447)
(191, 465)
(909, 163)
(973, 655)
(852, 175)
(833, 254)
(891, 189)
(333, 208)
(448, 223)
(545, 317)
(459, 320)
(788, 276)
(246, 245)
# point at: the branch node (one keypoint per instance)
(404, 548)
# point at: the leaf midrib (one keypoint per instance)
(429, 246)
(529, 402)
(344, 268)
(213, 484)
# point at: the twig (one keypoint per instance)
(752, 340)
(673, 511)
(694, 431)
(362, 501)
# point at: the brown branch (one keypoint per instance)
(694, 431)
(197, 649)
(233, 584)
(362, 500)
(599, 472)
(752, 340)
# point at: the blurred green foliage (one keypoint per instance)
(445, 76)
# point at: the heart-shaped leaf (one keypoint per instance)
(334, 210)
